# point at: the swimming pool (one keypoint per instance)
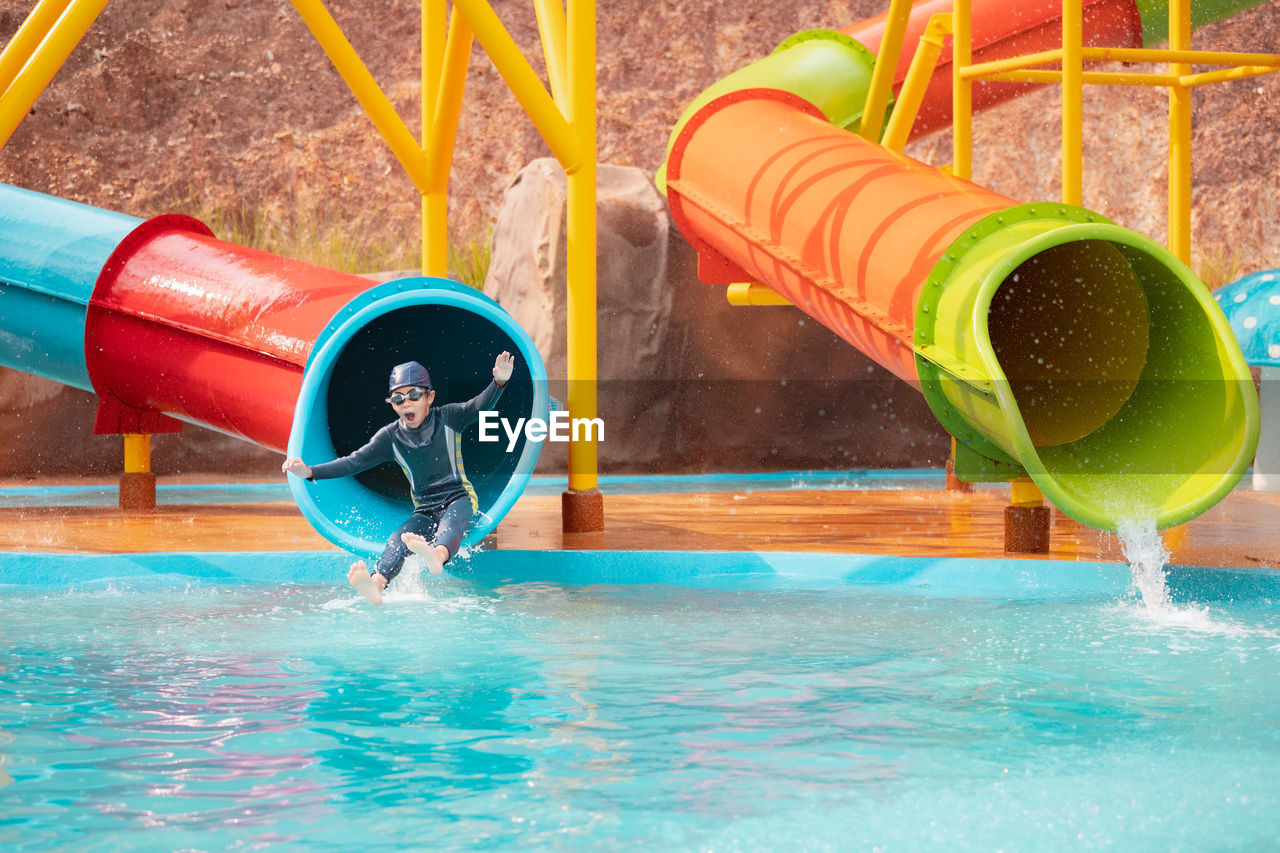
(753, 702)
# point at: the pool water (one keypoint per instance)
(471, 713)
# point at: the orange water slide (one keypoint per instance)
(846, 229)
(1049, 341)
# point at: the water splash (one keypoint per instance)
(1143, 547)
(408, 584)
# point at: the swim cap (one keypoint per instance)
(409, 373)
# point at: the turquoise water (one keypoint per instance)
(491, 712)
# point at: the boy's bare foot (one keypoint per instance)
(365, 583)
(429, 553)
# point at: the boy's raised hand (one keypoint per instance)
(296, 467)
(502, 367)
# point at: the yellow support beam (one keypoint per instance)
(581, 237)
(1011, 63)
(435, 208)
(551, 28)
(442, 135)
(961, 90)
(1225, 74)
(1180, 135)
(1072, 100)
(877, 102)
(524, 83)
(1024, 492)
(754, 294)
(1114, 78)
(44, 61)
(995, 69)
(137, 453)
(1188, 57)
(443, 131)
(917, 80)
(371, 97)
(23, 45)
(1131, 78)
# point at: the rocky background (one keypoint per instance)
(170, 104)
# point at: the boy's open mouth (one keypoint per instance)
(409, 417)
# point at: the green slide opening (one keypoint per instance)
(1115, 381)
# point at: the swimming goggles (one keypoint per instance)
(414, 394)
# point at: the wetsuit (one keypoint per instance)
(430, 457)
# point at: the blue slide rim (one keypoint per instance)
(308, 416)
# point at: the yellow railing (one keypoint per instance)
(1179, 79)
(1017, 69)
(1070, 58)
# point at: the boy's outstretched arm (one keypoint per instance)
(502, 367)
(296, 467)
(459, 416)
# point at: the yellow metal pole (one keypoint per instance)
(1012, 63)
(443, 132)
(551, 26)
(752, 293)
(1225, 74)
(1072, 100)
(137, 484)
(581, 260)
(375, 103)
(26, 86)
(1111, 78)
(913, 88)
(961, 90)
(1025, 492)
(886, 64)
(523, 81)
(435, 206)
(1180, 136)
(444, 128)
(28, 38)
(137, 453)
(1192, 57)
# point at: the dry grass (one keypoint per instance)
(309, 233)
(1219, 265)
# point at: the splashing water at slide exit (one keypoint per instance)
(1144, 548)
(1141, 544)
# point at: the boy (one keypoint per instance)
(416, 441)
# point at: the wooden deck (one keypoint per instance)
(1242, 531)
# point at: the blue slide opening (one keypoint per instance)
(456, 332)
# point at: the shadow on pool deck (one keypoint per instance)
(1242, 531)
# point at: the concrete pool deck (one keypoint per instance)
(1243, 531)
